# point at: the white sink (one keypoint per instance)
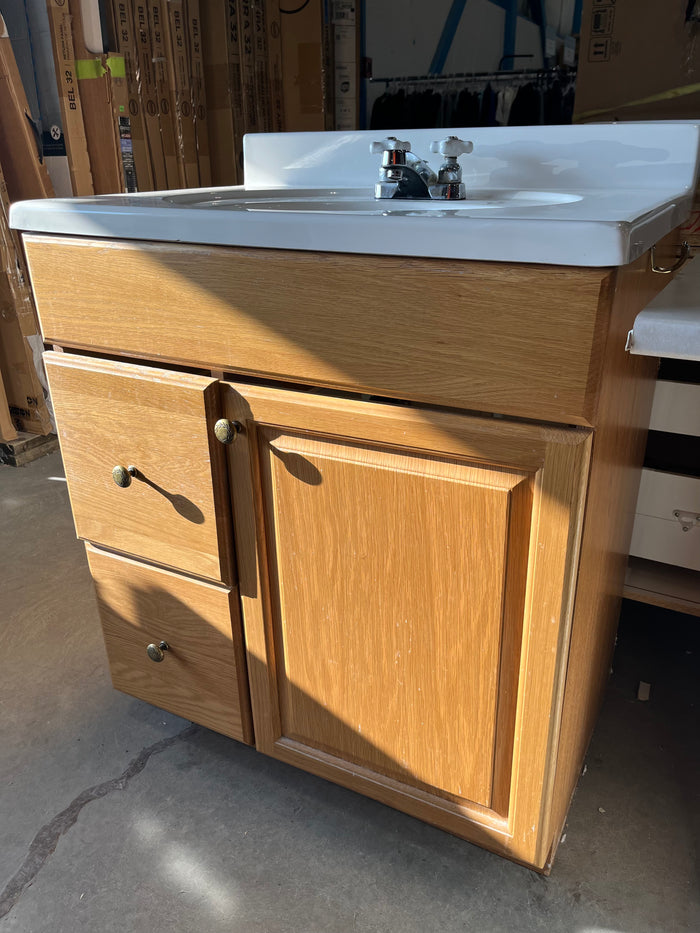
(588, 195)
(345, 202)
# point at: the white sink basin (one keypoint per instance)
(588, 195)
(342, 202)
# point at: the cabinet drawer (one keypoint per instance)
(658, 534)
(521, 340)
(676, 408)
(202, 675)
(173, 511)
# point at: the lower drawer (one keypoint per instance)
(202, 674)
(659, 533)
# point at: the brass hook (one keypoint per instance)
(666, 270)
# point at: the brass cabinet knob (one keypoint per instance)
(122, 476)
(227, 431)
(156, 652)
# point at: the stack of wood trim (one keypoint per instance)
(160, 43)
(187, 79)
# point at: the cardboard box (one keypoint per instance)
(163, 71)
(345, 19)
(28, 25)
(302, 68)
(69, 96)
(149, 95)
(125, 42)
(273, 22)
(640, 61)
(235, 83)
(101, 129)
(25, 174)
(199, 94)
(180, 76)
(637, 61)
(263, 104)
(246, 43)
(8, 431)
(223, 108)
(20, 339)
(119, 96)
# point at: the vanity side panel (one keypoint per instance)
(622, 420)
(521, 340)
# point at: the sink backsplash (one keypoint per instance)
(585, 156)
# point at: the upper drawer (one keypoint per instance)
(174, 511)
(676, 408)
(520, 340)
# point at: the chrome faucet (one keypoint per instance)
(404, 175)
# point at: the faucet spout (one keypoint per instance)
(402, 174)
(406, 181)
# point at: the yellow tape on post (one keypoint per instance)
(116, 65)
(653, 99)
(89, 68)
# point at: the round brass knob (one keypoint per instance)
(226, 431)
(122, 476)
(156, 652)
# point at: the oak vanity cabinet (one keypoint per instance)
(402, 569)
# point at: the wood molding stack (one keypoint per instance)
(166, 103)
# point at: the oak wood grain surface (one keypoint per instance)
(518, 339)
(389, 577)
(110, 414)
(202, 675)
(622, 417)
(370, 574)
(662, 585)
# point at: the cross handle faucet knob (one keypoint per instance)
(451, 146)
(390, 144)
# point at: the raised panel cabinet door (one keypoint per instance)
(406, 579)
(174, 642)
(145, 473)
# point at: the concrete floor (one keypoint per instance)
(115, 816)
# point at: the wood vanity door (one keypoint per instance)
(406, 582)
(175, 511)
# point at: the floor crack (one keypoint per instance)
(48, 837)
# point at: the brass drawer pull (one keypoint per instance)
(156, 652)
(227, 431)
(122, 476)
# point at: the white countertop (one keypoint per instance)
(670, 325)
(588, 195)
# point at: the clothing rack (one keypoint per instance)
(486, 98)
(521, 76)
